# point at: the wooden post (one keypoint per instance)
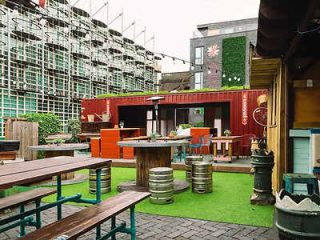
(230, 151)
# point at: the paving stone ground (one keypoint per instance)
(154, 227)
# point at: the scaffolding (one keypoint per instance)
(52, 57)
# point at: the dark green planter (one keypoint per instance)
(262, 189)
(297, 225)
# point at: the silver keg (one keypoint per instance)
(201, 177)
(188, 162)
(161, 185)
(105, 180)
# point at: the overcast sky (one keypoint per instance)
(172, 21)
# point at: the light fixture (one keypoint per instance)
(15, 12)
(66, 30)
(209, 71)
(87, 37)
(43, 22)
(235, 78)
(229, 79)
(223, 75)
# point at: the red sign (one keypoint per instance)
(244, 108)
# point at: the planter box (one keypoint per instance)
(9, 145)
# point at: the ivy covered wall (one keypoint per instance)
(233, 61)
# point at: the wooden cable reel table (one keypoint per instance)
(151, 155)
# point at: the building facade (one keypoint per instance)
(219, 54)
(175, 81)
(52, 57)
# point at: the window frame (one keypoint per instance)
(200, 82)
(198, 60)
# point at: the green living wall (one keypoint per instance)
(234, 61)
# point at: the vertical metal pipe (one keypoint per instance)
(132, 223)
(59, 197)
(113, 225)
(98, 185)
(98, 198)
(23, 224)
(38, 215)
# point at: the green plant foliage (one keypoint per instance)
(74, 126)
(58, 141)
(224, 88)
(48, 124)
(199, 124)
(234, 61)
(185, 126)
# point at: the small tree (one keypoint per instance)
(74, 126)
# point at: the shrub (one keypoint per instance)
(199, 124)
(74, 126)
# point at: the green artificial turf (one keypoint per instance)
(229, 201)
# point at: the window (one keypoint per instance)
(198, 80)
(199, 55)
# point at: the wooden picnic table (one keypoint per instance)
(225, 141)
(35, 171)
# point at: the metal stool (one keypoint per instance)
(290, 179)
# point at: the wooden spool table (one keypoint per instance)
(57, 150)
(151, 155)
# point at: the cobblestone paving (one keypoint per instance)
(165, 228)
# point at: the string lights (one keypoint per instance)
(192, 64)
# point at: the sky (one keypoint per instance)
(172, 22)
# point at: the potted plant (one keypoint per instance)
(153, 137)
(173, 134)
(58, 141)
(227, 132)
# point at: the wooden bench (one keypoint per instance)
(83, 221)
(19, 200)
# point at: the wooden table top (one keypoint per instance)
(34, 171)
(150, 144)
(175, 138)
(88, 135)
(227, 138)
(59, 147)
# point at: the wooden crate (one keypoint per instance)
(26, 133)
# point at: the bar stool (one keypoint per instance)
(310, 180)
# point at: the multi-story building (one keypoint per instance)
(219, 55)
(52, 57)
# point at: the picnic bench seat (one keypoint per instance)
(22, 198)
(19, 200)
(83, 221)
